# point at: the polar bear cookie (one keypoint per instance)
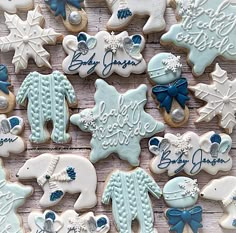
(117, 122)
(68, 222)
(7, 98)
(104, 54)
(171, 89)
(181, 193)
(191, 153)
(61, 174)
(10, 141)
(206, 35)
(74, 17)
(224, 190)
(12, 196)
(11, 6)
(124, 10)
(27, 39)
(220, 99)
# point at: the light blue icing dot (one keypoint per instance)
(175, 196)
(158, 72)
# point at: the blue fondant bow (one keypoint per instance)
(59, 6)
(166, 93)
(3, 79)
(179, 218)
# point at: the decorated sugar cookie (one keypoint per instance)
(123, 12)
(180, 194)
(171, 91)
(11, 6)
(47, 101)
(117, 122)
(60, 174)
(191, 153)
(27, 38)
(10, 141)
(68, 222)
(129, 192)
(74, 17)
(12, 196)
(224, 190)
(206, 29)
(7, 98)
(104, 54)
(220, 98)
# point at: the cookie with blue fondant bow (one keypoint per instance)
(171, 89)
(181, 194)
(71, 11)
(7, 98)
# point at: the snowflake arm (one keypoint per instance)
(172, 63)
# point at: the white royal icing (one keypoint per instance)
(11, 6)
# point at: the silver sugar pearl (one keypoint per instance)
(177, 115)
(3, 102)
(75, 18)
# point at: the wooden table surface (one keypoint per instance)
(98, 15)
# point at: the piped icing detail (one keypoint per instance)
(13, 6)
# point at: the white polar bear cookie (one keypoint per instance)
(104, 54)
(191, 153)
(10, 141)
(224, 190)
(124, 10)
(11, 6)
(68, 222)
(60, 174)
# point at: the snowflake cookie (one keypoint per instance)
(12, 196)
(11, 6)
(223, 190)
(191, 153)
(27, 39)
(74, 17)
(220, 97)
(124, 10)
(61, 174)
(181, 194)
(117, 122)
(206, 35)
(104, 54)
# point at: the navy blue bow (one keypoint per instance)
(3, 79)
(166, 93)
(59, 6)
(179, 218)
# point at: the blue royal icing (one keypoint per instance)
(124, 13)
(3, 79)
(50, 215)
(56, 195)
(71, 173)
(101, 222)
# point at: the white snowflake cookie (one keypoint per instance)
(191, 153)
(11, 6)
(27, 39)
(104, 54)
(220, 97)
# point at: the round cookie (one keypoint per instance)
(170, 90)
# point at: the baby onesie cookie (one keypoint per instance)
(60, 174)
(68, 222)
(224, 190)
(220, 99)
(7, 98)
(12, 196)
(191, 153)
(10, 141)
(11, 6)
(171, 92)
(27, 39)
(104, 54)
(206, 29)
(74, 17)
(48, 100)
(129, 192)
(117, 122)
(181, 193)
(124, 10)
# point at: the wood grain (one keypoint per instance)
(98, 15)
